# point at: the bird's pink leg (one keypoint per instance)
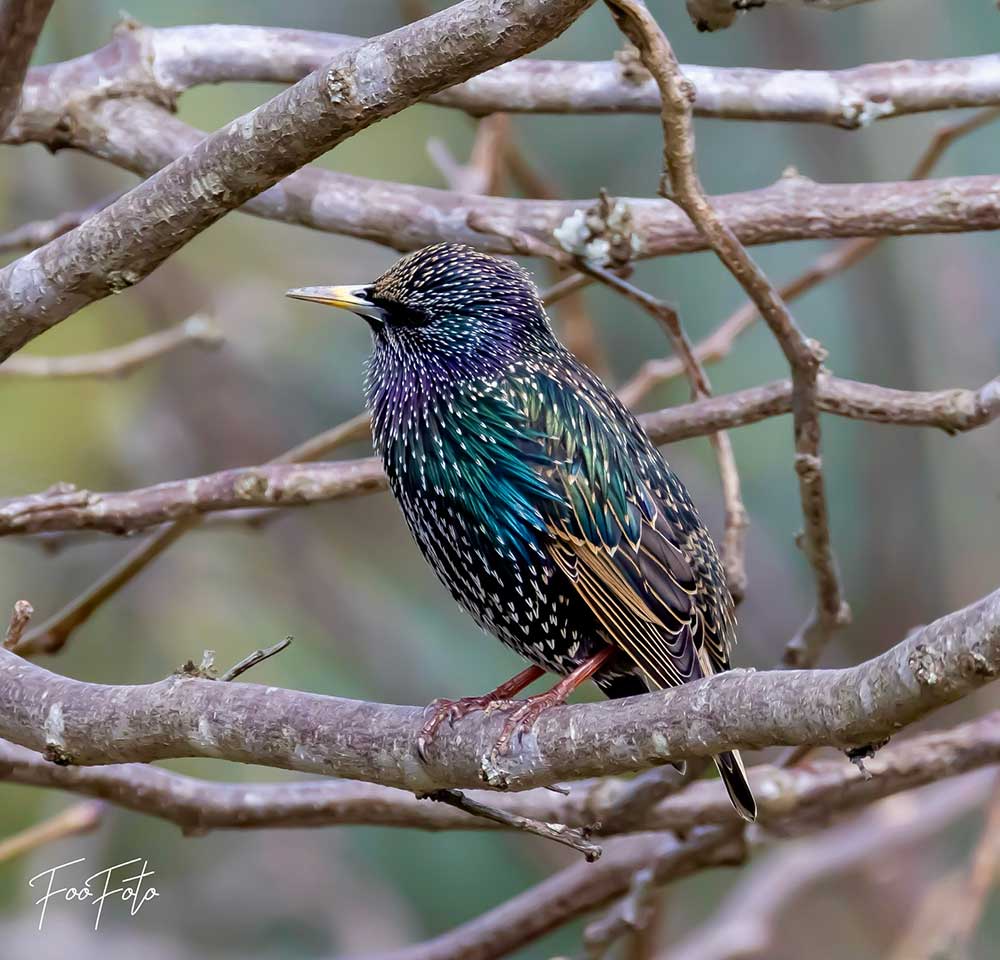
(452, 710)
(529, 710)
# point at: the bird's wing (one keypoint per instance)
(624, 532)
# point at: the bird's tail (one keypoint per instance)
(734, 776)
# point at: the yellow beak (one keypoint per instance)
(353, 298)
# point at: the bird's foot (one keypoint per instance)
(452, 710)
(524, 716)
(442, 709)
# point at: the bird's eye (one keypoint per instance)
(402, 314)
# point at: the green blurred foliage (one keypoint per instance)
(915, 514)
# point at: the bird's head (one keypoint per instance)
(447, 304)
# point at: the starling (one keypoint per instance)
(534, 493)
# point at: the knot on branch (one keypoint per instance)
(206, 670)
(633, 70)
(925, 666)
(809, 467)
(974, 664)
(339, 85)
(818, 351)
(864, 111)
(120, 280)
(603, 234)
(250, 486)
(133, 42)
(58, 755)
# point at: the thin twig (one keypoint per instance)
(945, 921)
(252, 659)
(19, 619)
(483, 173)
(116, 361)
(79, 818)
(564, 288)
(37, 233)
(984, 871)
(577, 327)
(682, 186)
(51, 636)
(718, 344)
(748, 921)
(645, 791)
(568, 836)
(632, 912)
(251, 493)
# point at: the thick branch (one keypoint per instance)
(21, 23)
(803, 794)
(143, 137)
(163, 63)
(83, 723)
(132, 236)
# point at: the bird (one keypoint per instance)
(534, 493)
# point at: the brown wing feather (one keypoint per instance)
(644, 596)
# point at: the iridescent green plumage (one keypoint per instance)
(532, 492)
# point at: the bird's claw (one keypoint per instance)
(522, 719)
(443, 709)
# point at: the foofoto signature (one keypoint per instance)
(104, 885)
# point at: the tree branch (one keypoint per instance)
(681, 184)
(80, 818)
(161, 64)
(745, 923)
(718, 344)
(132, 236)
(21, 23)
(51, 635)
(290, 482)
(30, 236)
(143, 137)
(82, 723)
(800, 796)
(557, 832)
(117, 361)
(65, 507)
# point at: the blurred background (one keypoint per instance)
(915, 514)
